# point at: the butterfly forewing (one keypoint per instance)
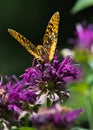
(29, 46)
(51, 35)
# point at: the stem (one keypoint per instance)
(89, 110)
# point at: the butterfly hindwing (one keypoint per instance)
(29, 46)
(43, 53)
(51, 35)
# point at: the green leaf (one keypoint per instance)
(80, 5)
(78, 128)
(27, 128)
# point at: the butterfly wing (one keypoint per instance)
(43, 53)
(51, 35)
(29, 46)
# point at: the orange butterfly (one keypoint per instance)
(44, 52)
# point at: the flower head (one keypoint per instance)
(56, 117)
(84, 35)
(14, 95)
(51, 79)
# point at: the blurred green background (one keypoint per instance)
(30, 18)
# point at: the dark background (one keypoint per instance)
(30, 18)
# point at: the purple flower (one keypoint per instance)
(51, 79)
(84, 35)
(56, 118)
(15, 95)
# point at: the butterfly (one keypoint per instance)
(44, 52)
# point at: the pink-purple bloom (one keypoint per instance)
(51, 78)
(14, 95)
(56, 117)
(21, 96)
(84, 36)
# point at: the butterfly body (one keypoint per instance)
(44, 52)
